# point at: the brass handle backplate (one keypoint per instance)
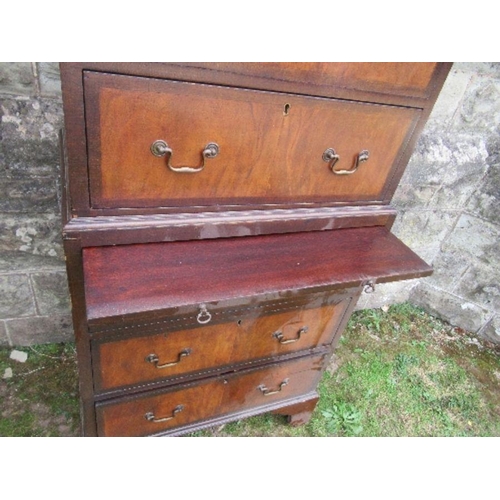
(150, 416)
(161, 148)
(279, 335)
(153, 358)
(331, 157)
(266, 392)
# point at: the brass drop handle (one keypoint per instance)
(330, 156)
(153, 358)
(266, 392)
(161, 148)
(279, 335)
(150, 416)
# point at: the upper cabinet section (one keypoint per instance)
(166, 138)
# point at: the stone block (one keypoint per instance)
(29, 195)
(39, 235)
(49, 78)
(449, 100)
(4, 340)
(449, 307)
(40, 330)
(408, 196)
(481, 284)
(480, 109)
(480, 68)
(491, 330)
(29, 142)
(423, 230)
(17, 78)
(51, 293)
(485, 202)
(15, 262)
(449, 266)
(453, 163)
(474, 238)
(16, 299)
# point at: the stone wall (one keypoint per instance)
(449, 205)
(34, 300)
(448, 202)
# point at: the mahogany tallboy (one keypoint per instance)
(220, 222)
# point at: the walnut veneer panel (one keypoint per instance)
(145, 277)
(266, 155)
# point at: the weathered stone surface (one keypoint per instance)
(453, 163)
(4, 341)
(491, 330)
(481, 284)
(481, 68)
(423, 230)
(476, 239)
(409, 196)
(16, 78)
(16, 299)
(50, 79)
(14, 262)
(40, 330)
(29, 195)
(30, 118)
(51, 293)
(480, 110)
(449, 100)
(39, 235)
(448, 268)
(29, 143)
(486, 200)
(449, 307)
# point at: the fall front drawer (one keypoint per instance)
(154, 413)
(160, 143)
(248, 335)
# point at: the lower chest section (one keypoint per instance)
(185, 372)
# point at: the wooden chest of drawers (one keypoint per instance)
(221, 221)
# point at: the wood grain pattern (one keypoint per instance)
(124, 362)
(265, 155)
(146, 277)
(411, 79)
(209, 399)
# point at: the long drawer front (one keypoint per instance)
(214, 398)
(159, 143)
(242, 340)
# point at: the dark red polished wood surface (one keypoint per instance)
(145, 277)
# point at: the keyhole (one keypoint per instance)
(286, 109)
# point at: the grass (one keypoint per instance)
(41, 398)
(398, 372)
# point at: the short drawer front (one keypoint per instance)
(144, 360)
(214, 398)
(271, 145)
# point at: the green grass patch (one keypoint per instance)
(41, 398)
